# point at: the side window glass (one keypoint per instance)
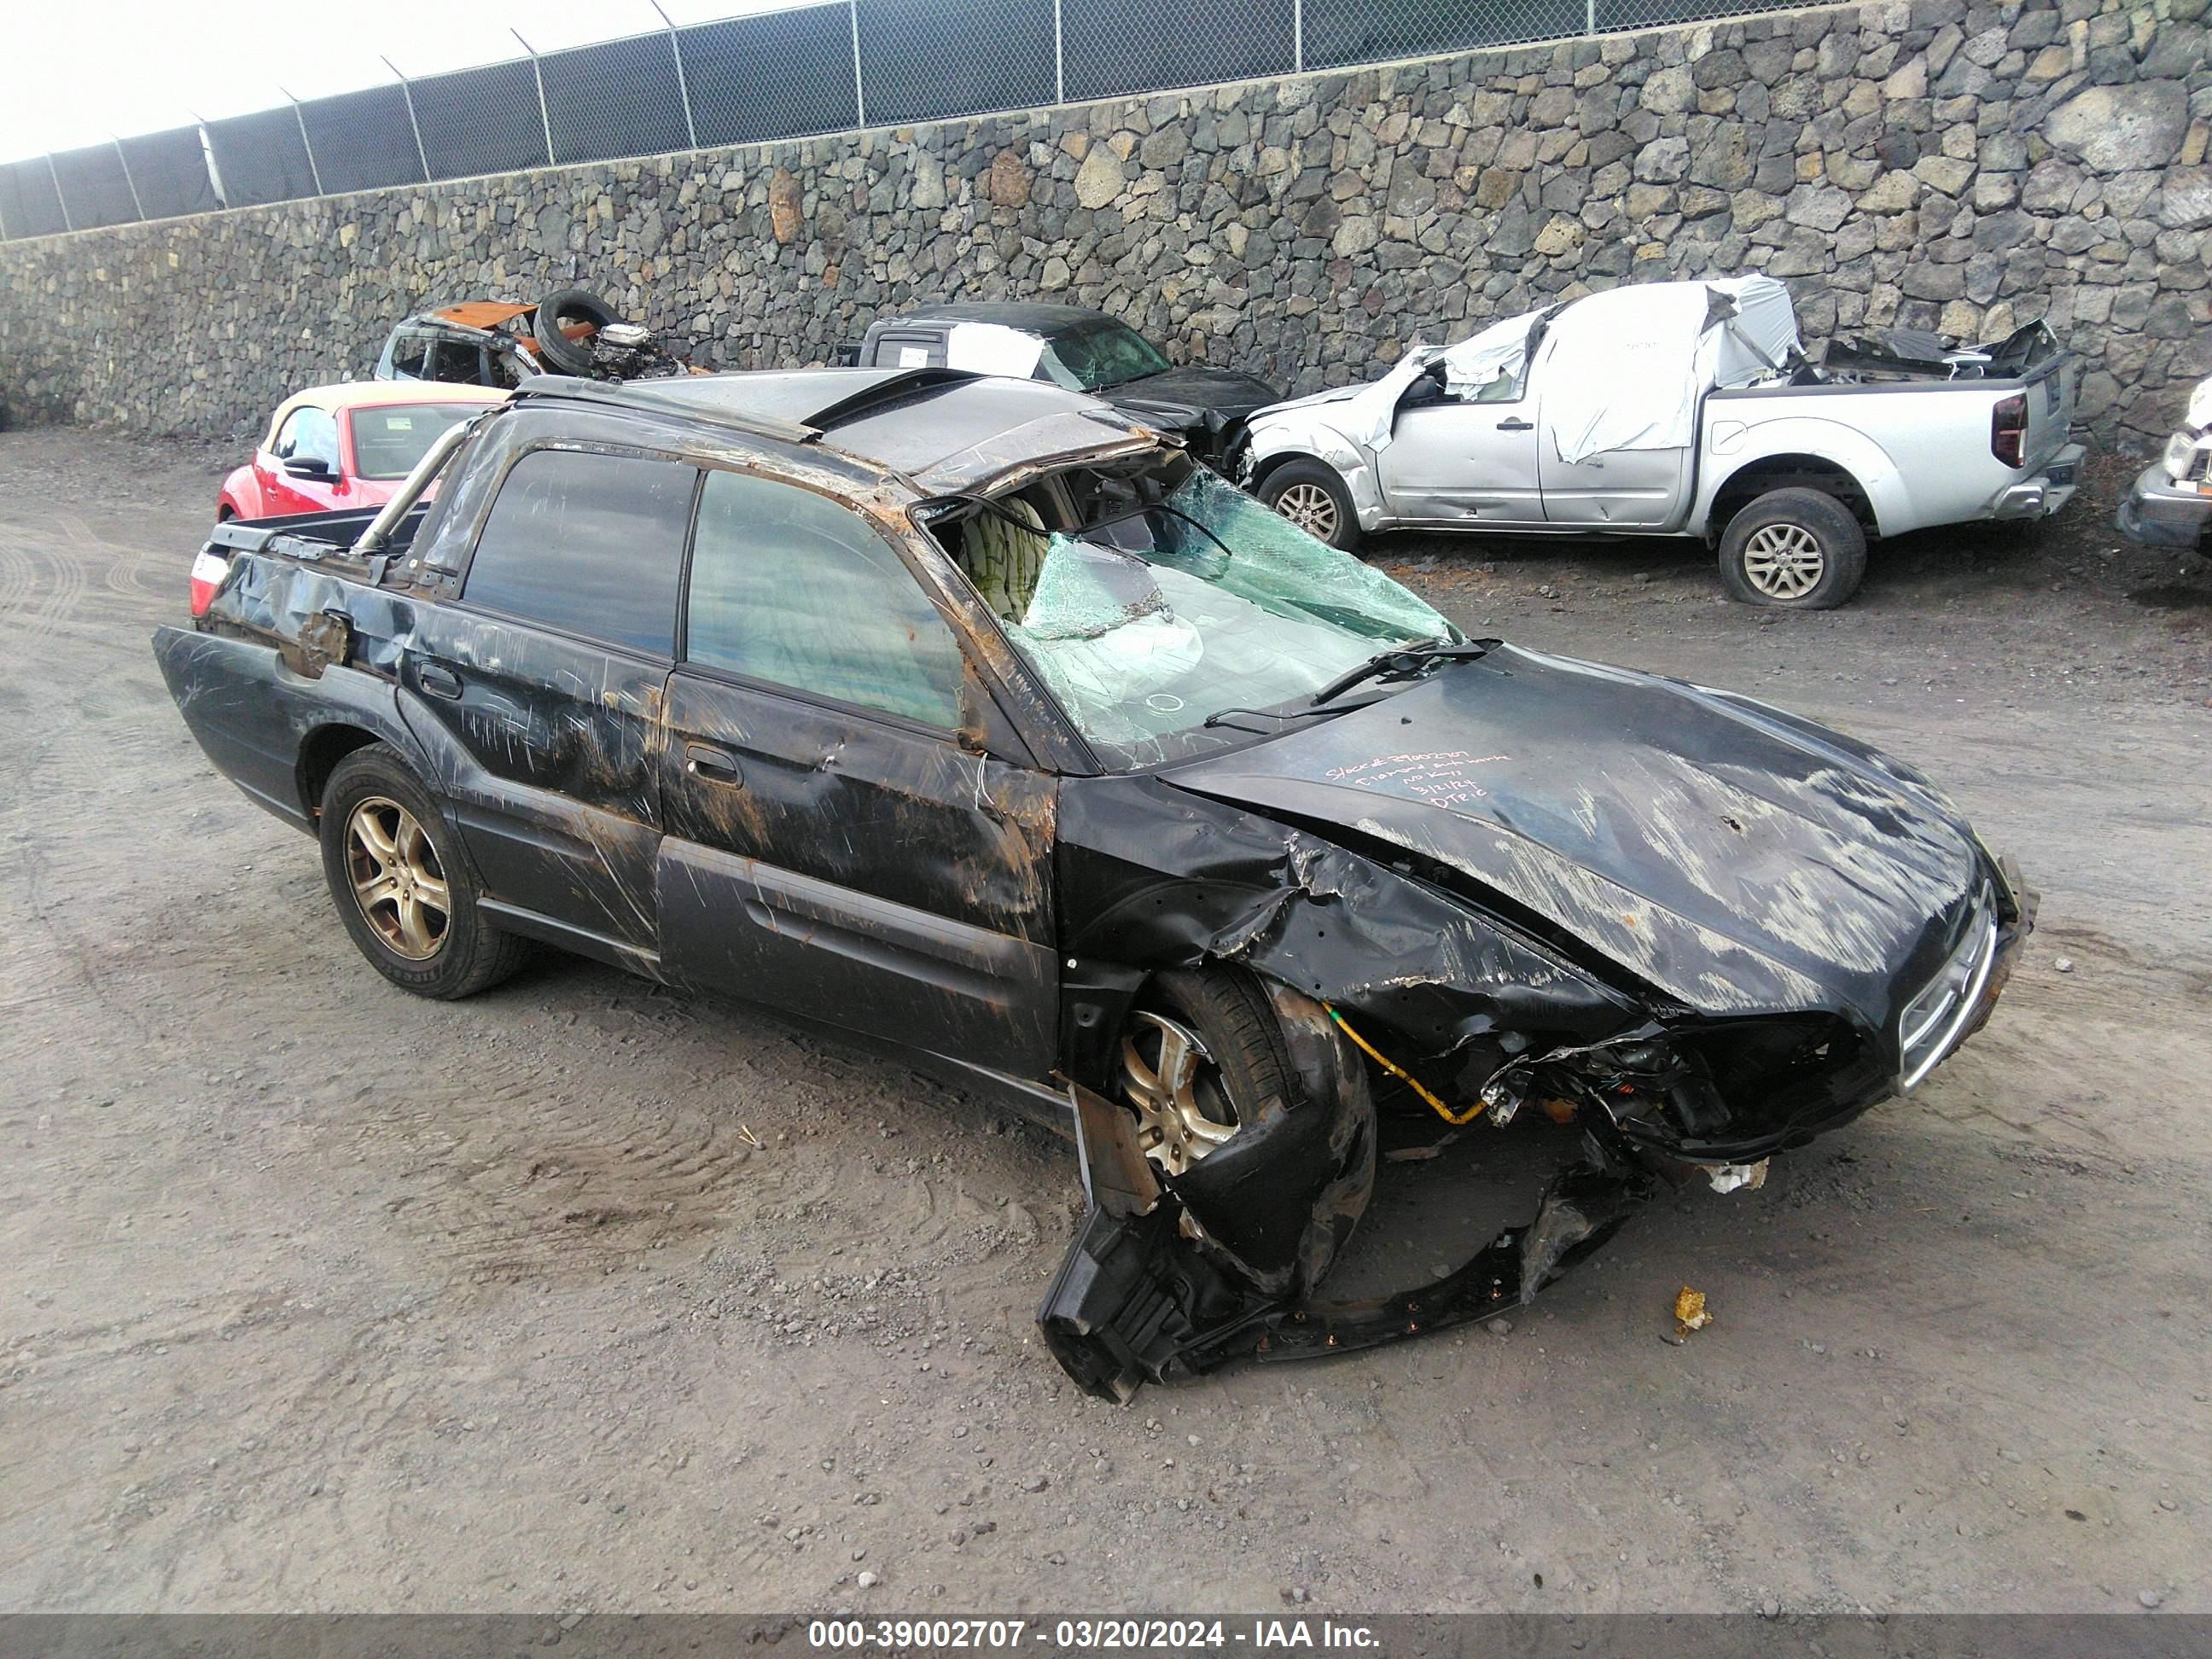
(1503, 385)
(410, 358)
(457, 362)
(590, 544)
(315, 433)
(791, 587)
(288, 437)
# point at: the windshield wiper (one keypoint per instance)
(1220, 716)
(1400, 661)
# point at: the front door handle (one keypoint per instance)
(703, 760)
(437, 682)
(1516, 424)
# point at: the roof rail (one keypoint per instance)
(638, 395)
(881, 394)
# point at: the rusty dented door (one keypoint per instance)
(832, 848)
(544, 683)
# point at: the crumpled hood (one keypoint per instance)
(1335, 394)
(1736, 857)
(1192, 397)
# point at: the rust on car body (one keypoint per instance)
(1463, 877)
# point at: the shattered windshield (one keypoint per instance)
(1181, 600)
(1093, 359)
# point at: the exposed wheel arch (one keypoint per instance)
(1773, 472)
(1277, 462)
(1283, 1159)
(319, 755)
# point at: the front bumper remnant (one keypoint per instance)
(2159, 512)
(1140, 1299)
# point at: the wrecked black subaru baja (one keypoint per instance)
(972, 718)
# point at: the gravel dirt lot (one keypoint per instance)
(586, 1295)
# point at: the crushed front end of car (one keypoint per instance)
(1696, 930)
(1390, 870)
(2171, 504)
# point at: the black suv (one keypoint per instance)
(966, 716)
(1082, 350)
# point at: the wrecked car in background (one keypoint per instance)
(2171, 505)
(1683, 409)
(968, 717)
(503, 343)
(1082, 350)
(331, 448)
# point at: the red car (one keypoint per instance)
(331, 448)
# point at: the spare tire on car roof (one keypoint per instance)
(575, 305)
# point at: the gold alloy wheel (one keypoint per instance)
(1310, 507)
(1165, 1070)
(396, 879)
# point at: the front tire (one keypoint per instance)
(1312, 496)
(1795, 550)
(1275, 1144)
(1199, 1058)
(403, 885)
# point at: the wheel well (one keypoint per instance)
(327, 745)
(1791, 472)
(1278, 461)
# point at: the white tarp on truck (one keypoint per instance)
(1620, 369)
(1624, 369)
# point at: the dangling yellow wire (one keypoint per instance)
(1403, 1075)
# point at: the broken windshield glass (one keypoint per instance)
(1142, 626)
(1099, 356)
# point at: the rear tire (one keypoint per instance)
(1794, 549)
(403, 884)
(1311, 495)
(575, 305)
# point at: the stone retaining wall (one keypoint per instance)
(1924, 161)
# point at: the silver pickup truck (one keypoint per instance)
(1683, 409)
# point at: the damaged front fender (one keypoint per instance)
(1219, 883)
(1138, 1301)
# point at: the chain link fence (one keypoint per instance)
(813, 67)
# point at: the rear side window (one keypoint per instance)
(589, 545)
(910, 351)
(791, 587)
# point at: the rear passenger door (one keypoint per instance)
(832, 848)
(544, 682)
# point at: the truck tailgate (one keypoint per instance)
(2050, 386)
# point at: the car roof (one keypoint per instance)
(1029, 319)
(380, 394)
(940, 429)
(369, 394)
